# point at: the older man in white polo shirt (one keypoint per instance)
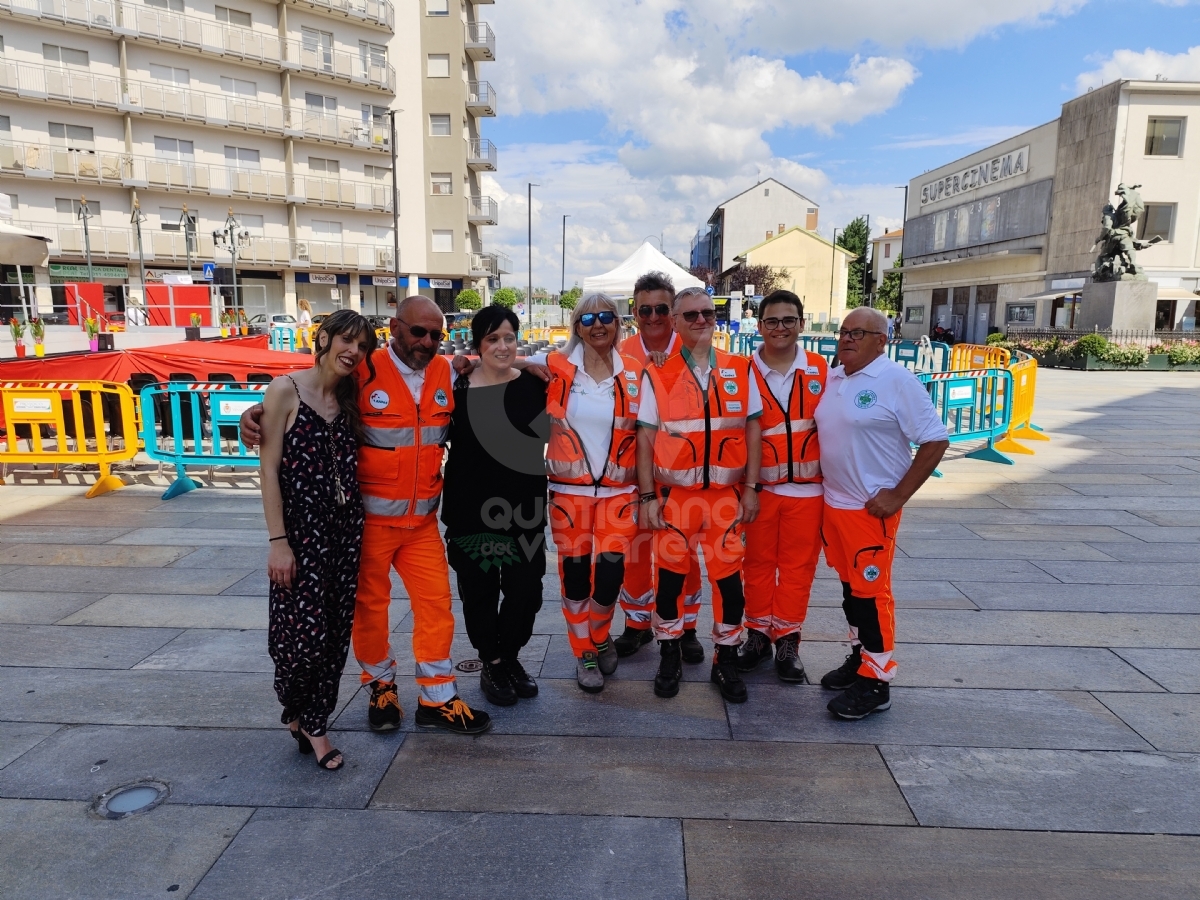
(871, 414)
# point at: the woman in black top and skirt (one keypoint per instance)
(494, 503)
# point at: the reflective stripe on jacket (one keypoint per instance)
(701, 437)
(566, 459)
(791, 451)
(400, 464)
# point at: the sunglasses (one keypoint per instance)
(587, 320)
(786, 321)
(419, 332)
(661, 310)
(710, 315)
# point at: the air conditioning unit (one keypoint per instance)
(383, 258)
(302, 251)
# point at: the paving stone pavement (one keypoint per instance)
(1044, 739)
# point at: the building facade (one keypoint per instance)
(746, 220)
(809, 266)
(1007, 236)
(886, 249)
(175, 128)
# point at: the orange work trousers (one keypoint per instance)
(584, 528)
(701, 521)
(419, 557)
(861, 548)
(637, 591)
(783, 546)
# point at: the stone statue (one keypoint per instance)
(1118, 246)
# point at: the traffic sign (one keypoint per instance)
(210, 271)
(710, 290)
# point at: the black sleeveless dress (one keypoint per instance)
(309, 632)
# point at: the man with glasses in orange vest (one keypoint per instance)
(783, 544)
(406, 417)
(656, 340)
(873, 411)
(699, 449)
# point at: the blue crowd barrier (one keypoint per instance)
(974, 405)
(282, 339)
(192, 424)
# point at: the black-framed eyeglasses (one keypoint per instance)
(660, 310)
(606, 317)
(786, 322)
(710, 315)
(419, 331)
(856, 334)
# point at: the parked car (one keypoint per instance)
(380, 321)
(115, 321)
(319, 318)
(277, 319)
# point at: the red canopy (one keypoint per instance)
(237, 357)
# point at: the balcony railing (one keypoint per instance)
(96, 14)
(313, 189)
(480, 41)
(503, 262)
(481, 155)
(371, 12)
(481, 99)
(483, 211)
(67, 242)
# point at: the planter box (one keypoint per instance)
(1186, 367)
(1099, 365)
(1157, 362)
(191, 333)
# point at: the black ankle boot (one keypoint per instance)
(670, 669)
(496, 684)
(725, 675)
(690, 647)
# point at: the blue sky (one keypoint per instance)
(638, 116)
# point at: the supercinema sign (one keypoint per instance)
(999, 168)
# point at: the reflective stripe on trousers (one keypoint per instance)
(637, 609)
(436, 682)
(384, 672)
(381, 506)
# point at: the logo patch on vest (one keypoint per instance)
(734, 406)
(728, 373)
(814, 387)
(380, 399)
(439, 397)
(730, 387)
(865, 399)
(871, 573)
(632, 390)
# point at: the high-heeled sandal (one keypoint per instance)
(303, 744)
(327, 757)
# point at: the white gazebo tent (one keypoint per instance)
(619, 282)
(19, 247)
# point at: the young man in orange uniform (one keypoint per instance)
(699, 449)
(783, 545)
(656, 340)
(406, 416)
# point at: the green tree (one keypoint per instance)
(507, 296)
(888, 296)
(570, 297)
(764, 278)
(855, 237)
(468, 299)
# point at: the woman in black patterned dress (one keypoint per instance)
(310, 435)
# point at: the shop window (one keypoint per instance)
(443, 241)
(1021, 314)
(233, 16)
(914, 315)
(1156, 221)
(1163, 136)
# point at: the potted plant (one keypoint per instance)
(92, 327)
(37, 330)
(192, 332)
(18, 335)
(226, 321)
(243, 322)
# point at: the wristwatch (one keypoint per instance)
(757, 488)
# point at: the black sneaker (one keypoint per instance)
(865, 696)
(453, 715)
(787, 660)
(690, 647)
(725, 675)
(846, 674)
(383, 712)
(753, 651)
(525, 686)
(670, 669)
(496, 685)
(632, 640)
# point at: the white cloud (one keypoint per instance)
(1149, 65)
(975, 137)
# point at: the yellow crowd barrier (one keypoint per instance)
(978, 356)
(558, 333)
(1024, 390)
(720, 340)
(70, 423)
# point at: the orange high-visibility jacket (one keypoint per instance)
(566, 460)
(400, 465)
(701, 437)
(791, 449)
(633, 346)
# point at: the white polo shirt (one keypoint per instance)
(781, 388)
(414, 379)
(590, 413)
(867, 423)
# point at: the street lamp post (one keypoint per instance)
(866, 268)
(563, 283)
(529, 238)
(232, 239)
(903, 222)
(137, 219)
(187, 224)
(395, 207)
(84, 214)
(832, 266)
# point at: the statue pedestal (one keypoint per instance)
(1121, 305)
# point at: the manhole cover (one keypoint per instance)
(469, 665)
(130, 799)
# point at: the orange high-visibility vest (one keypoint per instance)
(791, 451)
(400, 464)
(701, 437)
(566, 460)
(633, 346)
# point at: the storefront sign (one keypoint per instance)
(444, 283)
(70, 272)
(314, 278)
(383, 280)
(999, 168)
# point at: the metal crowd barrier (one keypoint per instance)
(974, 406)
(196, 424)
(1024, 374)
(978, 356)
(89, 422)
(283, 339)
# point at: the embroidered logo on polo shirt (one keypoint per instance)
(439, 397)
(814, 387)
(865, 399)
(871, 573)
(730, 387)
(380, 399)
